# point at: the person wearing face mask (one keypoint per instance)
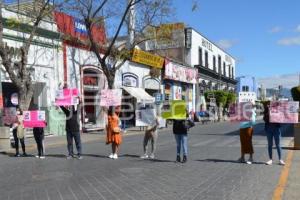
(19, 133)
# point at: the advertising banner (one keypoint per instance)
(284, 112)
(180, 73)
(34, 119)
(67, 97)
(145, 117)
(177, 110)
(76, 28)
(111, 97)
(240, 112)
(147, 58)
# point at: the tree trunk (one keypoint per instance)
(25, 96)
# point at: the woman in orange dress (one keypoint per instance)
(113, 131)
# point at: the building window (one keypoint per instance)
(224, 69)
(245, 89)
(219, 64)
(200, 57)
(232, 73)
(214, 63)
(229, 71)
(206, 59)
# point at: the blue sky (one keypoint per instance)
(263, 35)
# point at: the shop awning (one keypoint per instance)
(140, 94)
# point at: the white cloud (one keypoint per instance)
(275, 29)
(290, 41)
(286, 80)
(298, 28)
(227, 44)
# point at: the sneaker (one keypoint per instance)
(17, 155)
(250, 161)
(241, 160)
(178, 158)
(281, 162)
(25, 155)
(42, 157)
(145, 156)
(184, 160)
(37, 156)
(115, 156)
(79, 157)
(152, 156)
(111, 155)
(69, 157)
(270, 162)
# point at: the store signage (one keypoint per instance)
(206, 44)
(75, 28)
(180, 73)
(284, 112)
(188, 38)
(34, 119)
(147, 58)
(247, 97)
(111, 97)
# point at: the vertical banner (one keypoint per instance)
(34, 119)
(111, 97)
(284, 112)
(177, 110)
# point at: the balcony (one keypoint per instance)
(211, 73)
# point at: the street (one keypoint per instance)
(212, 170)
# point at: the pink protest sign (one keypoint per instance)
(240, 112)
(111, 97)
(34, 119)
(66, 97)
(284, 112)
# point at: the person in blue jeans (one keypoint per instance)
(273, 131)
(180, 130)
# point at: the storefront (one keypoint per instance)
(179, 83)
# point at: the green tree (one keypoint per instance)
(296, 93)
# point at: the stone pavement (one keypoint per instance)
(212, 171)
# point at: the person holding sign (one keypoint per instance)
(19, 133)
(150, 135)
(73, 130)
(113, 131)
(246, 132)
(38, 133)
(273, 131)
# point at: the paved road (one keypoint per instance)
(211, 172)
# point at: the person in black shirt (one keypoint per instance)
(73, 130)
(38, 133)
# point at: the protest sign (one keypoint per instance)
(240, 112)
(284, 112)
(177, 110)
(34, 119)
(67, 97)
(247, 97)
(9, 115)
(111, 97)
(145, 117)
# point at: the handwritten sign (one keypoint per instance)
(177, 110)
(284, 112)
(145, 117)
(240, 112)
(111, 97)
(34, 119)
(66, 97)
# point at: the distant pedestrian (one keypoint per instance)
(273, 130)
(113, 131)
(73, 130)
(19, 133)
(180, 130)
(38, 133)
(246, 133)
(150, 135)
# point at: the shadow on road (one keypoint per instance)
(227, 161)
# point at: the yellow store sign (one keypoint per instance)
(146, 58)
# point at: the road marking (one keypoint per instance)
(203, 143)
(279, 190)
